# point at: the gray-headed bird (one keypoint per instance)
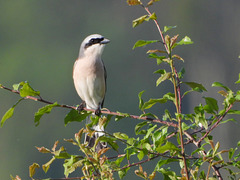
(89, 76)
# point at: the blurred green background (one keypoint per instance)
(39, 42)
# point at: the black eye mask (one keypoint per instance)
(93, 41)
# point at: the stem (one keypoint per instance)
(178, 108)
(159, 29)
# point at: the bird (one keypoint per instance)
(89, 76)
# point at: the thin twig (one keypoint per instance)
(215, 125)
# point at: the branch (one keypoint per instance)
(40, 99)
(215, 125)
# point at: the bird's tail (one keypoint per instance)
(90, 140)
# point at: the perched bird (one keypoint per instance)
(89, 76)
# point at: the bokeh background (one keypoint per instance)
(39, 42)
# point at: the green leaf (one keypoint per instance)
(47, 165)
(181, 73)
(163, 77)
(196, 86)
(139, 126)
(152, 102)
(169, 96)
(218, 84)
(238, 81)
(186, 40)
(160, 59)
(167, 147)
(119, 160)
(164, 162)
(27, 90)
(139, 20)
(46, 109)
(153, 16)
(120, 135)
(149, 115)
(9, 112)
(212, 105)
(68, 165)
(233, 111)
(168, 175)
(123, 172)
(231, 153)
(16, 86)
(167, 28)
(141, 43)
(110, 141)
(76, 116)
(140, 99)
(141, 154)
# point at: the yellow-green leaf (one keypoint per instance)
(32, 169)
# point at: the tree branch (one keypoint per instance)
(40, 99)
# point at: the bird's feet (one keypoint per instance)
(97, 112)
(81, 106)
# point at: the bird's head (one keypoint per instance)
(93, 45)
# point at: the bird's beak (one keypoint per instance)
(105, 41)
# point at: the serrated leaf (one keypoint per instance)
(167, 28)
(9, 112)
(141, 43)
(218, 84)
(133, 2)
(43, 110)
(196, 86)
(163, 78)
(27, 90)
(75, 116)
(32, 169)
